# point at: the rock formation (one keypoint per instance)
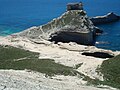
(110, 17)
(72, 26)
(74, 6)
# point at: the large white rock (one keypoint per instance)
(74, 25)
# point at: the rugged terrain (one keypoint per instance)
(68, 54)
(31, 60)
(72, 26)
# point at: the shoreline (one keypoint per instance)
(71, 54)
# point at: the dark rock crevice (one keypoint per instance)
(66, 37)
(98, 54)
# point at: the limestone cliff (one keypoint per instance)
(72, 26)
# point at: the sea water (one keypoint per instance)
(18, 15)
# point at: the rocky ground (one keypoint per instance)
(23, 80)
(68, 54)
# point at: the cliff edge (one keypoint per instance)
(72, 26)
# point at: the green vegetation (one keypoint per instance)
(8, 53)
(111, 71)
(19, 59)
(68, 18)
(91, 81)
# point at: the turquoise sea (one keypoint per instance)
(17, 15)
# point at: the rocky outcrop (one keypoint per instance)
(110, 17)
(98, 31)
(72, 26)
(74, 6)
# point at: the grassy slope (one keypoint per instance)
(111, 70)
(19, 59)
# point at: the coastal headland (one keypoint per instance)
(56, 56)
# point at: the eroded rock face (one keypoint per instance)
(66, 37)
(72, 26)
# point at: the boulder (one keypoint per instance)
(98, 31)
